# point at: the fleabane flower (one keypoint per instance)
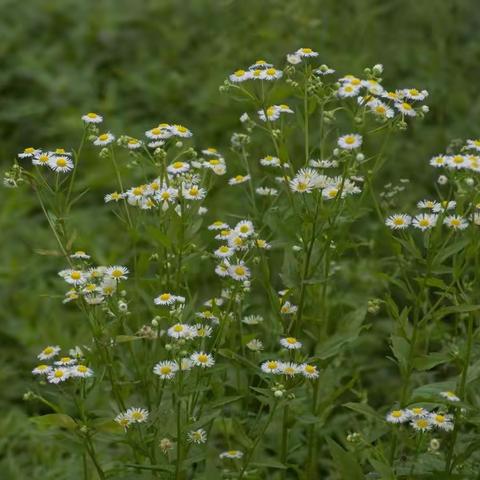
(270, 161)
(42, 158)
(202, 359)
(166, 370)
(92, 117)
(272, 74)
(421, 424)
(451, 396)
(239, 272)
(178, 167)
(237, 180)
(240, 76)
(181, 330)
(438, 161)
(60, 163)
(193, 192)
(474, 144)
(290, 343)
(398, 416)
(425, 221)
(399, 221)
(197, 436)
(168, 298)
(224, 251)
(29, 152)
(350, 141)
(442, 421)
(123, 420)
(306, 52)
(244, 228)
(308, 371)
(288, 308)
(290, 369)
(73, 277)
(117, 272)
(181, 131)
(58, 375)
(42, 369)
(455, 222)
(137, 415)
(104, 139)
(271, 366)
(81, 371)
(231, 454)
(406, 109)
(49, 352)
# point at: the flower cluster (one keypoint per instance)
(57, 160)
(132, 416)
(63, 368)
(421, 419)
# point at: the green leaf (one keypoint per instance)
(385, 471)
(345, 462)
(269, 464)
(401, 350)
(126, 338)
(442, 312)
(364, 409)
(426, 362)
(59, 420)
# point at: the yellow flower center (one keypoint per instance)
(103, 137)
(61, 162)
(75, 275)
(422, 423)
(350, 140)
(240, 271)
(165, 296)
(92, 115)
(398, 221)
(310, 369)
(271, 71)
(178, 328)
(239, 73)
(272, 365)
(156, 131)
(397, 413)
(306, 50)
(202, 358)
(82, 369)
(424, 222)
(165, 370)
(58, 373)
(406, 106)
(291, 340)
(178, 165)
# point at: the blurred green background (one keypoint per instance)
(146, 61)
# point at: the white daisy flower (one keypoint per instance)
(80, 254)
(231, 454)
(74, 277)
(197, 436)
(350, 141)
(262, 244)
(288, 308)
(271, 113)
(271, 366)
(104, 139)
(58, 375)
(381, 109)
(65, 361)
(239, 272)
(448, 395)
(81, 371)
(42, 369)
(117, 272)
(324, 70)
(406, 109)
(455, 222)
(49, 352)
(290, 369)
(272, 74)
(61, 164)
(309, 371)
(425, 221)
(178, 167)
(270, 161)
(224, 251)
(202, 359)
(428, 204)
(123, 420)
(255, 345)
(113, 197)
(181, 131)
(218, 225)
(238, 179)
(442, 421)
(92, 118)
(399, 221)
(438, 161)
(414, 94)
(134, 144)
(266, 191)
(162, 132)
(222, 269)
(42, 158)
(306, 52)
(474, 145)
(252, 319)
(180, 330)
(444, 206)
(418, 412)
(260, 64)
(137, 415)
(29, 152)
(290, 343)
(240, 76)
(421, 424)
(244, 228)
(166, 370)
(193, 192)
(348, 90)
(203, 331)
(398, 416)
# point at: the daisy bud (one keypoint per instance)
(442, 180)
(377, 69)
(278, 393)
(168, 346)
(470, 181)
(122, 306)
(367, 71)
(434, 444)
(425, 108)
(179, 144)
(360, 157)
(27, 396)
(294, 59)
(297, 248)
(155, 322)
(84, 429)
(336, 151)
